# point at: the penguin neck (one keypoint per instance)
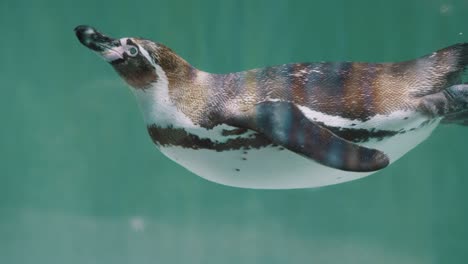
(177, 98)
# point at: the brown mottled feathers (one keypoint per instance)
(267, 101)
(352, 90)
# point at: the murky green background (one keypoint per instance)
(80, 181)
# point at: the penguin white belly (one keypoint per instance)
(273, 167)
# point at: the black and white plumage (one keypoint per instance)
(288, 126)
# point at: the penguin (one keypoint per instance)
(297, 125)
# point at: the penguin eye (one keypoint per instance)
(132, 51)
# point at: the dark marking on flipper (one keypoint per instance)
(284, 124)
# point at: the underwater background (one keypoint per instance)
(81, 181)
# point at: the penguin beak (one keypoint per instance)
(109, 48)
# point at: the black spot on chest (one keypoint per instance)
(170, 136)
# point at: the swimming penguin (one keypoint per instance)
(295, 125)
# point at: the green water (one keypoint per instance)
(81, 181)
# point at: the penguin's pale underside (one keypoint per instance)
(295, 125)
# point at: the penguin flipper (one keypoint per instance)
(284, 124)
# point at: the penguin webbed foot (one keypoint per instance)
(450, 103)
(460, 118)
(459, 99)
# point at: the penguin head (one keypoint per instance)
(135, 60)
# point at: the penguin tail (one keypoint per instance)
(454, 58)
(460, 52)
(440, 70)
